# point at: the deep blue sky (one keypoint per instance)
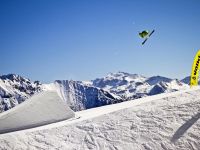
(81, 40)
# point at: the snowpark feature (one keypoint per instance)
(43, 108)
(164, 121)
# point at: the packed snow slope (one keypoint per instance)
(165, 121)
(42, 108)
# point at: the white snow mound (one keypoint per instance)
(169, 121)
(43, 108)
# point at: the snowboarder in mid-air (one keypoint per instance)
(145, 35)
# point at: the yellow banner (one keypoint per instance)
(195, 70)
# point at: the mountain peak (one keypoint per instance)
(13, 77)
(156, 79)
(121, 74)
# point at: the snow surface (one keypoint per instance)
(164, 121)
(43, 108)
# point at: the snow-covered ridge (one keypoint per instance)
(15, 89)
(113, 88)
(80, 96)
(131, 86)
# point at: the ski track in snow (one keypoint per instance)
(169, 123)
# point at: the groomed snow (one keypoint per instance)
(43, 108)
(165, 121)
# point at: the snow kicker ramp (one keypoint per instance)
(43, 108)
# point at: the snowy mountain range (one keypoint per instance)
(15, 89)
(131, 86)
(80, 95)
